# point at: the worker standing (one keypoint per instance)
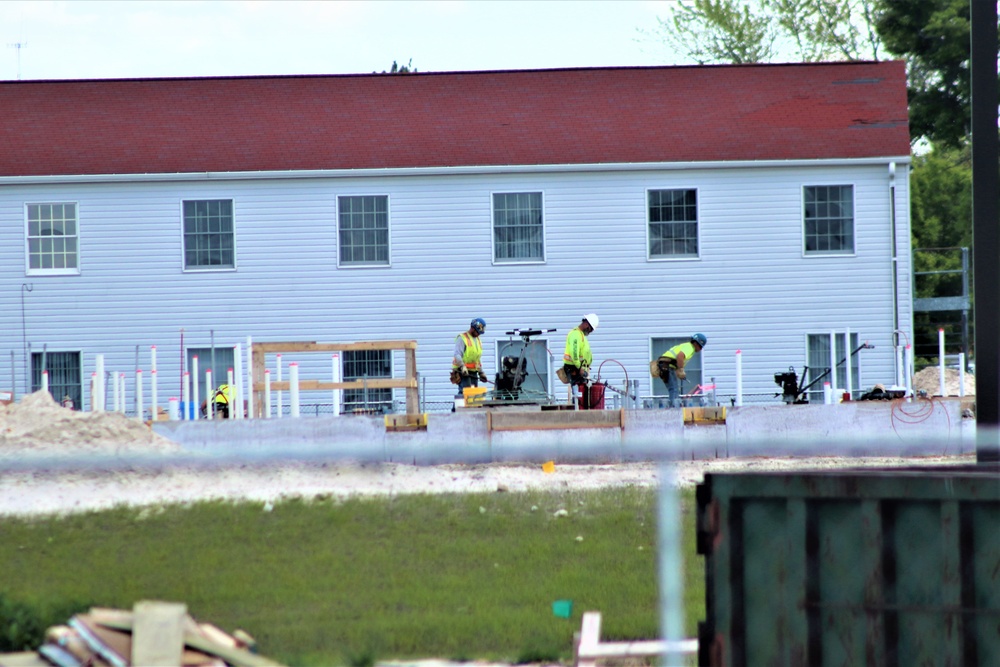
(466, 364)
(577, 357)
(672, 362)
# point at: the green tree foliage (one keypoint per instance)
(758, 31)
(933, 36)
(396, 68)
(941, 193)
(719, 31)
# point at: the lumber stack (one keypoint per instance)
(151, 634)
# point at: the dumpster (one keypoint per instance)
(851, 567)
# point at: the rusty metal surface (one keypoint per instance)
(873, 567)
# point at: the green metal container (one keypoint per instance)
(895, 567)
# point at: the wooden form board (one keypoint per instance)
(497, 420)
(260, 350)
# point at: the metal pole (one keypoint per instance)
(671, 566)
(986, 228)
(25, 287)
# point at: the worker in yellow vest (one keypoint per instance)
(672, 362)
(577, 357)
(466, 364)
(222, 398)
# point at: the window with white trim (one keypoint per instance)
(209, 237)
(363, 230)
(224, 360)
(64, 375)
(53, 241)
(819, 365)
(692, 366)
(518, 227)
(537, 361)
(673, 223)
(829, 219)
(367, 365)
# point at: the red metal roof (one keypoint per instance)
(523, 117)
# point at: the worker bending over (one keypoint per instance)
(672, 362)
(577, 357)
(221, 399)
(467, 365)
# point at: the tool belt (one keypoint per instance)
(663, 366)
(456, 376)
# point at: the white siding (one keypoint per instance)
(751, 288)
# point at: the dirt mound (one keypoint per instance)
(40, 425)
(929, 380)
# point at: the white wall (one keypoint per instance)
(750, 289)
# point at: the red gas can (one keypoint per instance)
(596, 397)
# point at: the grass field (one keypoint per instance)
(351, 582)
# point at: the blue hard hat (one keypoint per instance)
(479, 324)
(699, 338)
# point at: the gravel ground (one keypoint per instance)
(58, 491)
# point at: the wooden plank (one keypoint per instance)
(158, 633)
(233, 656)
(312, 346)
(589, 648)
(557, 420)
(412, 393)
(316, 385)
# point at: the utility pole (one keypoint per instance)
(986, 229)
(18, 46)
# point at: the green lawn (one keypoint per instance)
(349, 582)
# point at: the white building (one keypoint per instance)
(764, 206)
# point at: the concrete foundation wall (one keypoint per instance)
(473, 436)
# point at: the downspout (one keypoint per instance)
(895, 256)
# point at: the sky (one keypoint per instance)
(80, 39)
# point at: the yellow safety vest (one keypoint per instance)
(473, 351)
(577, 349)
(686, 348)
(224, 394)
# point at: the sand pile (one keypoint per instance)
(40, 425)
(929, 380)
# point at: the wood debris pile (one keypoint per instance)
(155, 633)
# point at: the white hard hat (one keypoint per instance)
(592, 319)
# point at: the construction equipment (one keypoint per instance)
(792, 393)
(514, 369)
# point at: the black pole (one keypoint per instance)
(986, 227)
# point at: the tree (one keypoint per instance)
(933, 36)
(712, 31)
(408, 68)
(941, 194)
(752, 31)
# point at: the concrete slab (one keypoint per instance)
(870, 428)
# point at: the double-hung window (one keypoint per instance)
(533, 357)
(209, 237)
(673, 223)
(820, 364)
(829, 219)
(53, 241)
(518, 227)
(367, 365)
(364, 230)
(692, 367)
(64, 375)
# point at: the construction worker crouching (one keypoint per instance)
(466, 364)
(672, 362)
(222, 398)
(577, 357)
